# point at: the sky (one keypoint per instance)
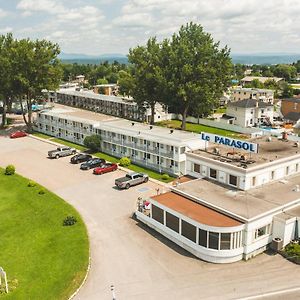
(98, 27)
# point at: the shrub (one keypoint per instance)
(93, 142)
(42, 191)
(69, 221)
(10, 170)
(31, 183)
(165, 177)
(124, 162)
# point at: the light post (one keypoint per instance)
(112, 288)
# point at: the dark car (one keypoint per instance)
(92, 163)
(80, 158)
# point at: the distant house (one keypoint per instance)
(290, 109)
(249, 113)
(106, 89)
(249, 79)
(240, 93)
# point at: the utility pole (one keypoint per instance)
(112, 288)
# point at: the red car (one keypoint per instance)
(18, 134)
(105, 168)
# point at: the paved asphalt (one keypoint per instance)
(140, 263)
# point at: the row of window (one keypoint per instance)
(207, 239)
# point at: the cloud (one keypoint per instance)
(3, 13)
(49, 6)
(6, 30)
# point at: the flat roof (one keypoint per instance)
(244, 204)
(250, 103)
(92, 95)
(269, 149)
(242, 89)
(290, 214)
(195, 211)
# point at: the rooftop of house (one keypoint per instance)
(243, 205)
(195, 211)
(270, 149)
(252, 90)
(91, 95)
(294, 100)
(250, 103)
(261, 79)
(292, 116)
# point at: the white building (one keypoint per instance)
(240, 93)
(111, 105)
(249, 113)
(231, 212)
(154, 147)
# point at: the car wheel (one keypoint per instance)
(56, 156)
(74, 152)
(146, 179)
(127, 186)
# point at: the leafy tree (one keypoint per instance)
(287, 91)
(297, 65)
(255, 83)
(147, 78)
(93, 142)
(197, 72)
(125, 83)
(102, 81)
(285, 71)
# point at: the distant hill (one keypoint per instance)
(247, 59)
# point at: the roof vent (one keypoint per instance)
(132, 124)
(296, 188)
(171, 130)
(151, 127)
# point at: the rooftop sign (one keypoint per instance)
(233, 143)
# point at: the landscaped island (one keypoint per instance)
(42, 258)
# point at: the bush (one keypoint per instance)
(93, 142)
(165, 177)
(10, 170)
(31, 183)
(125, 162)
(42, 191)
(69, 221)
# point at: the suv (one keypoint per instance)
(92, 163)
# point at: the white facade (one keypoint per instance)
(154, 147)
(240, 93)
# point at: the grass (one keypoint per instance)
(107, 157)
(42, 258)
(198, 128)
(220, 110)
(292, 252)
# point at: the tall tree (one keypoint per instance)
(197, 72)
(147, 74)
(36, 67)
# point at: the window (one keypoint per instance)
(188, 230)
(148, 155)
(212, 173)
(287, 170)
(225, 241)
(172, 222)
(202, 238)
(182, 150)
(253, 181)
(197, 168)
(262, 231)
(213, 242)
(272, 175)
(157, 214)
(233, 180)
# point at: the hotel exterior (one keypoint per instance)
(157, 148)
(239, 204)
(111, 105)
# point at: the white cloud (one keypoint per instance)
(6, 30)
(3, 13)
(49, 6)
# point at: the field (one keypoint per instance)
(42, 258)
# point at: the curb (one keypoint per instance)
(84, 280)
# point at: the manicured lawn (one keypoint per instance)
(292, 252)
(197, 128)
(42, 258)
(107, 157)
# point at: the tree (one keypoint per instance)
(125, 83)
(147, 77)
(93, 142)
(35, 67)
(286, 71)
(287, 91)
(197, 72)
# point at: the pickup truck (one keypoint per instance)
(61, 151)
(131, 179)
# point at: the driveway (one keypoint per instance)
(140, 263)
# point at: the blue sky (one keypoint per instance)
(113, 26)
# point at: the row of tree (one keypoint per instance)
(26, 68)
(188, 72)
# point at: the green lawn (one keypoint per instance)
(197, 128)
(42, 258)
(107, 157)
(292, 252)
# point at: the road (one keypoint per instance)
(140, 263)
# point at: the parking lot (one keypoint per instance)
(138, 262)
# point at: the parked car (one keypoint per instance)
(92, 163)
(61, 151)
(18, 134)
(105, 168)
(80, 158)
(131, 179)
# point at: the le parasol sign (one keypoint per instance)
(3, 275)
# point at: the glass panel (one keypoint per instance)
(213, 240)
(203, 238)
(188, 230)
(213, 173)
(225, 241)
(172, 222)
(157, 214)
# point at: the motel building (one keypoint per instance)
(157, 148)
(244, 198)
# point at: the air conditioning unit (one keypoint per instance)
(277, 244)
